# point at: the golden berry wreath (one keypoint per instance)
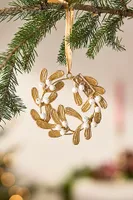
(51, 86)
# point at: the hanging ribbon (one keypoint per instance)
(68, 51)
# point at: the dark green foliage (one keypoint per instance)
(83, 29)
(20, 57)
(23, 9)
(106, 35)
(61, 55)
(25, 2)
(93, 32)
(19, 9)
(10, 104)
(116, 4)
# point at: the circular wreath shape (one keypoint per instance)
(59, 127)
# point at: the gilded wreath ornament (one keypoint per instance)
(59, 127)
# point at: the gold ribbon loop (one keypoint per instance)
(68, 51)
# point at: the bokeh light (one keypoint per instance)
(7, 159)
(7, 179)
(1, 171)
(24, 192)
(13, 190)
(16, 197)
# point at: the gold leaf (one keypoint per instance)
(45, 125)
(76, 136)
(86, 106)
(35, 114)
(97, 117)
(103, 103)
(59, 85)
(48, 109)
(35, 93)
(55, 117)
(61, 112)
(52, 97)
(91, 80)
(88, 133)
(72, 112)
(78, 99)
(99, 90)
(56, 75)
(43, 76)
(54, 134)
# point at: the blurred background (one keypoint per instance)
(35, 167)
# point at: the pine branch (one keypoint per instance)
(106, 35)
(20, 57)
(22, 10)
(61, 59)
(88, 33)
(114, 4)
(105, 10)
(83, 29)
(10, 104)
(29, 36)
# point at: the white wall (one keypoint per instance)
(44, 159)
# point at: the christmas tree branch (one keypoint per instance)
(20, 12)
(25, 10)
(92, 33)
(106, 35)
(20, 57)
(9, 56)
(105, 10)
(83, 30)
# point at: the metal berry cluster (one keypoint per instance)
(56, 120)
